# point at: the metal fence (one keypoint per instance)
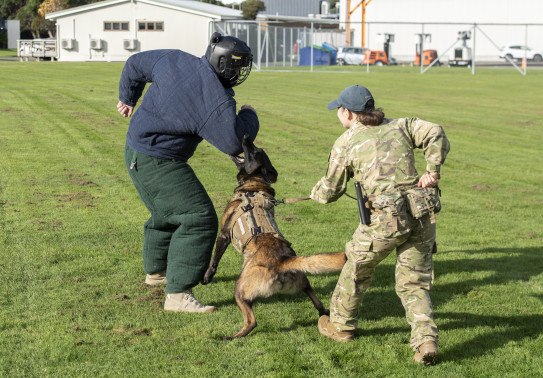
(277, 45)
(287, 45)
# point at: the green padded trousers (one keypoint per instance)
(180, 234)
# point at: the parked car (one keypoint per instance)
(350, 55)
(520, 52)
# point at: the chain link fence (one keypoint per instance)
(314, 45)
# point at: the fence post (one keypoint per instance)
(275, 45)
(284, 46)
(248, 28)
(259, 36)
(312, 46)
(367, 53)
(422, 50)
(291, 47)
(526, 46)
(474, 50)
(266, 37)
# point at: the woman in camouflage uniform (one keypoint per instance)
(378, 153)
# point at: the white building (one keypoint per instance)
(112, 30)
(489, 38)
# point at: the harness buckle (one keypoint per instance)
(247, 207)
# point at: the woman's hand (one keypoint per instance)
(429, 179)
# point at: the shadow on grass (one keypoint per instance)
(517, 328)
(503, 265)
(512, 265)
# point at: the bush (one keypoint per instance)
(3, 39)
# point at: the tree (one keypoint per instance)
(250, 8)
(26, 14)
(9, 8)
(50, 6)
(40, 24)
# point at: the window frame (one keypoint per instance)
(146, 26)
(112, 27)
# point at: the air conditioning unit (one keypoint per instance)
(96, 44)
(67, 44)
(130, 44)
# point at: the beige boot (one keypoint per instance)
(185, 302)
(156, 279)
(426, 353)
(327, 329)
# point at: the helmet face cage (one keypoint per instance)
(236, 68)
(231, 59)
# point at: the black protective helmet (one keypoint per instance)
(231, 59)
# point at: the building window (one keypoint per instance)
(150, 26)
(116, 26)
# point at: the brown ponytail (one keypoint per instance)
(370, 118)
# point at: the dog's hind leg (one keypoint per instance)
(249, 321)
(316, 301)
(253, 282)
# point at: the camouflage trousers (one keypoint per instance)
(414, 275)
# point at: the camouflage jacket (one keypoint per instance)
(381, 157)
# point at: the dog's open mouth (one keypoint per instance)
(237, 159)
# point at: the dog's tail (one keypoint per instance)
(315, 264)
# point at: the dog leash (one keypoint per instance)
(290, 200)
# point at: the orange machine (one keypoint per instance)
(379, 58)
(428, 56)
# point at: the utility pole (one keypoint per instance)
(364, 4)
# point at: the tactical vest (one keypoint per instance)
(253, 217)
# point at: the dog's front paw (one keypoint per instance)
(208, 277)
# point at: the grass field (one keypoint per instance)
(8, 53)
(72, 298)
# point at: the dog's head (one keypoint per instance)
(254, 162)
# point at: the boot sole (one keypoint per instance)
(175, 309)
(324, 331)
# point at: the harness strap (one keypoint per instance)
(253, 217)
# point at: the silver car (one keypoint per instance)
(350, 55)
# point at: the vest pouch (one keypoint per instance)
(390, 211)
(434, 194)
(419, 202)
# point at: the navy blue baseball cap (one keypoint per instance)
(354, 98)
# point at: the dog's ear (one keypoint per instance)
(267, 168)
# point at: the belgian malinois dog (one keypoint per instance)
(270, 264)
